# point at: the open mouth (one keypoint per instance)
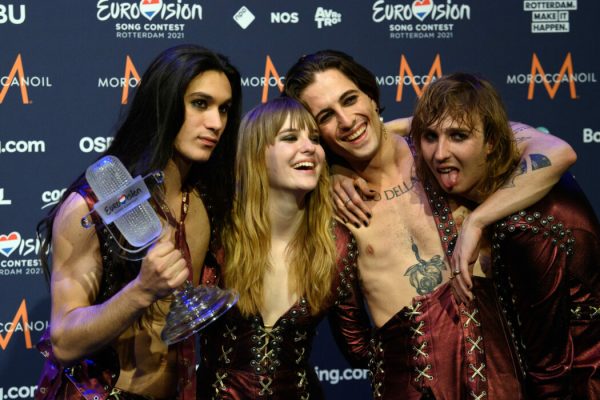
(448, 177)
(304, 166)
(356, 134)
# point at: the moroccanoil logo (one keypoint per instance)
(550, 79)
(271, 78)
(406, 77)
(20, 81)
(20, 325)
(130, 79)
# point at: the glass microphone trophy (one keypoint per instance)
(123, 203)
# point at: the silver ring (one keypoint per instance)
(455, 272)
(347, 201)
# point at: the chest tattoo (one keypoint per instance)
(425, 275)
(395, 191)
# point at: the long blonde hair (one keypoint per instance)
(247, 236)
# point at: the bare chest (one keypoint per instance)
(401, 231)
(400, 253)
(198, 232)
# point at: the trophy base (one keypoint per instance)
(195, 308)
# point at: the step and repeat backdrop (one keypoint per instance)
(69, 68)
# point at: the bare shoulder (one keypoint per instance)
(73, 246)
(399, 126)
(67, 225)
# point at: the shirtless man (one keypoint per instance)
(108, 312)
(425, 343)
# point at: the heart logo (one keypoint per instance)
(150, 8)
(422, 8)
(9, 243)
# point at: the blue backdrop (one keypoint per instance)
(68, 69)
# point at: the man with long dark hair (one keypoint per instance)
(107, 312)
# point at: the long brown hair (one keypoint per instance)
(467, 99)
(247, 237)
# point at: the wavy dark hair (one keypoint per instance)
(144, 140)
(302, 74)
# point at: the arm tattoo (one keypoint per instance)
(517, 127)
(520, 170)
(521, 139)
(425, 275)
(539, 161)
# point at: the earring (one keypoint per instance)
(384, 133)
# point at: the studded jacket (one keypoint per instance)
(438, 349)
(240, 359)
(546, 262)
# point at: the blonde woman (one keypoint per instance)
(289, 261)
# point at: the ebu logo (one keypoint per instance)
(8, 13)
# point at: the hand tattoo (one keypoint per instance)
(425, 275)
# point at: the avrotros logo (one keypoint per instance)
(326, 17)
(130, 79)
(270, 79)
(16, 78)
(19, 255)
(20, 325)
(163, 17)
(550, 79)
(407, 20)
(406, 77)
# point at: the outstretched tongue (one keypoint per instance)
(449, 179)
